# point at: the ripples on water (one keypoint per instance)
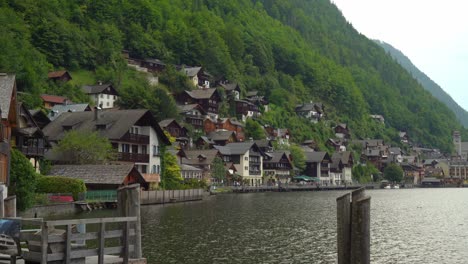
(407, 226)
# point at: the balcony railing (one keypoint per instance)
(256, 172)
(135, 138)
(32, 150)
(133, 157)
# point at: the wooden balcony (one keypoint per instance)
(133, 157)
(135, 138)
(32, 151)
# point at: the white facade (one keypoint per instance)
(104, 100)
(244, 168)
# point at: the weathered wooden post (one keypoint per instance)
(353, 228)
(129, 205)
(10, 206)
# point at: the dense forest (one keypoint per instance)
(291, 51)
(426, 82)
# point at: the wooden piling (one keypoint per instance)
(10, 206)
(353, 228)
(343, 217)
(129, 205)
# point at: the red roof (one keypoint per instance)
(56, 74)
(54, 98)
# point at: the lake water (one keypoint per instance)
(407, 226)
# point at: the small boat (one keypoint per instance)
(387, 187)
(396, 186)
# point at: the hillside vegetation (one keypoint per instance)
(291, 51)
(426, 82)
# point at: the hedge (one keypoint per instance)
(60, 184)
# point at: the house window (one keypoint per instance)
(134, 148)
(153, 170)
(102, 96)
(107, 103)
(144, 169)
(115, 97)
(246, 158)
(246, 168)
(126, 148)
(157, 169)
(107, 96)
(155, 150)
(144, 150)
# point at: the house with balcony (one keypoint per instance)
(277, 166)
(246, 109)
(259, 100)
(28, 137)
(134, 134)
(232, 90)
(103, 95)
(312, 111)
(208, 99)
(247, 158)
(193, 114)
(318, 165)
(8, 114)
(342, 131)
(201, 159)
(175, 129)
(341, 167)
(222, 137)
(229, 124)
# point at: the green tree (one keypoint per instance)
(393, 173)
(217, 169)
(85, 148)
(171, 179)
(254, 130)
(23, 180)
(364, 173)
(298, 157)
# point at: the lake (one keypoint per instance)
(407, 226)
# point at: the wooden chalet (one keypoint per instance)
(342, 131)
(50, 101)
(246, 109)
(40, 118)
(318, 165)
(103, 95)
(59, 76)
(222, 137)
(232, 90)
(193, 115)
(153, 65)
(208, 99)
(277, 166)
(9, 112)
(175, 129)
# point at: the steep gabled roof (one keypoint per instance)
(223, 135)
(202, 93)
(57, 74)
(200, 157)
(164, 123)
(100, 88)
(344, 157)
(317, 156)
(189, 107)
(191, 71)
(230, 86)
(7, 87)
(97, 174)
(238, 148)
(56, 99)
(116, 123)
(60, 108)
(276, 157)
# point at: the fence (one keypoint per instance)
(55, 244)
(170, 196)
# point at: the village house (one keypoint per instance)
(277, 167)
(134, 134)
(264, 145)
(413, 173)
(208, 99)
(176, 130)
(246, 109)
(59, 76)
(222, 137)
(232, 90)
(404, 138)
(342, 131)
(341, 167)
(247, 159)
(49, 101)
(312, 111)
(28, 137)
(193, 115)
(203, 142)
(229, 124)
(190, 172)
(280, 135)
(102, 176)
(103, 95)
(8, 113)
(259, 100)
(378, 118)
(59, 109)
(318, 165)
(201, 159)
(459, 169)
(336, 144)
(192, 74)
(153, 65)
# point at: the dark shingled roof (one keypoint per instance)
(194, 160)
(166, 122)
(309, 107)
(97, 89)
(343, 156)
(59, 109)
(276, 156)
(96, 174)
(190, 71)
(7, 84)
(316, 156)
(57, 74)
(238, 148)
(117, 123)
(201, 93)
(229, 86)
(220, 135)
(54, 98)
(189, 107)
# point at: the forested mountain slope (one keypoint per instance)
(291, 51)
(426, 82)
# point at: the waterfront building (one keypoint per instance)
(277, 166)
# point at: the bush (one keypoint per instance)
(22, 180)
(60, 184)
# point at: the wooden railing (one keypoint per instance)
(135, 138)
(32, 150)
(133, 157)
(62, 244)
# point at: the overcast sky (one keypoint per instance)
(432, 34)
